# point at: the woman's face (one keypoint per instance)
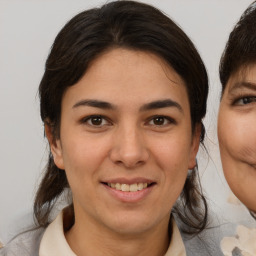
(237, 135)
(126, 142)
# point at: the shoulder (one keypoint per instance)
(25, 244)
(207, 243)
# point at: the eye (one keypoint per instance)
(95, 121)
(160, 121)
(245, 100)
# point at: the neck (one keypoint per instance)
(86, 238)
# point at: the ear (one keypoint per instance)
(55, 146)
(195, 146)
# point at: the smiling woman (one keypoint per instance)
(116, 152)
(122, 100)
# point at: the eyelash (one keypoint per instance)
(242, 98)
(88, 119)
(165, 119)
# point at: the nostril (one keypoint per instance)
(118, 162)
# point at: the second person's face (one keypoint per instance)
(126, 142)
(237, 135)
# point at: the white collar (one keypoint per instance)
(54, 242)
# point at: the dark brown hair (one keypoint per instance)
(131, 25)
(240, 50)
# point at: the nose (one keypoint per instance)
(129, 148)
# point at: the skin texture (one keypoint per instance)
(130, 141)
(237, 135)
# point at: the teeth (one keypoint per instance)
(118, 186)
(133, 187)
(125, 187)
(128, 188)
(140, 186)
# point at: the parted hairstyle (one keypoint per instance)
(240, 50)
(129, 25)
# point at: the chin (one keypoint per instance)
(132, 225)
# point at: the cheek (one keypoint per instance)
(83, 156)
(237, 137)
(172, 155)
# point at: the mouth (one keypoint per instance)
(129, 187)
(129, 190)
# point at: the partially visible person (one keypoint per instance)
(122, 99)
(237, 112)
(237, 126)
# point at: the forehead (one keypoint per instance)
(244, 78)
(119, 57)
(129, 78)
(120, 65)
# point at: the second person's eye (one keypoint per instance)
(245, 100)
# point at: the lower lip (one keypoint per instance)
(129, 197)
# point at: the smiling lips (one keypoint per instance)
(129, 191)
(128, 188)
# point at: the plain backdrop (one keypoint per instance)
(27, 30)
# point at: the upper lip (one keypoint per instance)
(129, 181)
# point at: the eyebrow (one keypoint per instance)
(148, 106)
(161, 104)
(95, 104)
(241, 85)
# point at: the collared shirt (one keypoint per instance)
(54, 242)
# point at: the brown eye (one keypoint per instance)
(245, 100)
(96, 120)
(248, 100)
(159, 120)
